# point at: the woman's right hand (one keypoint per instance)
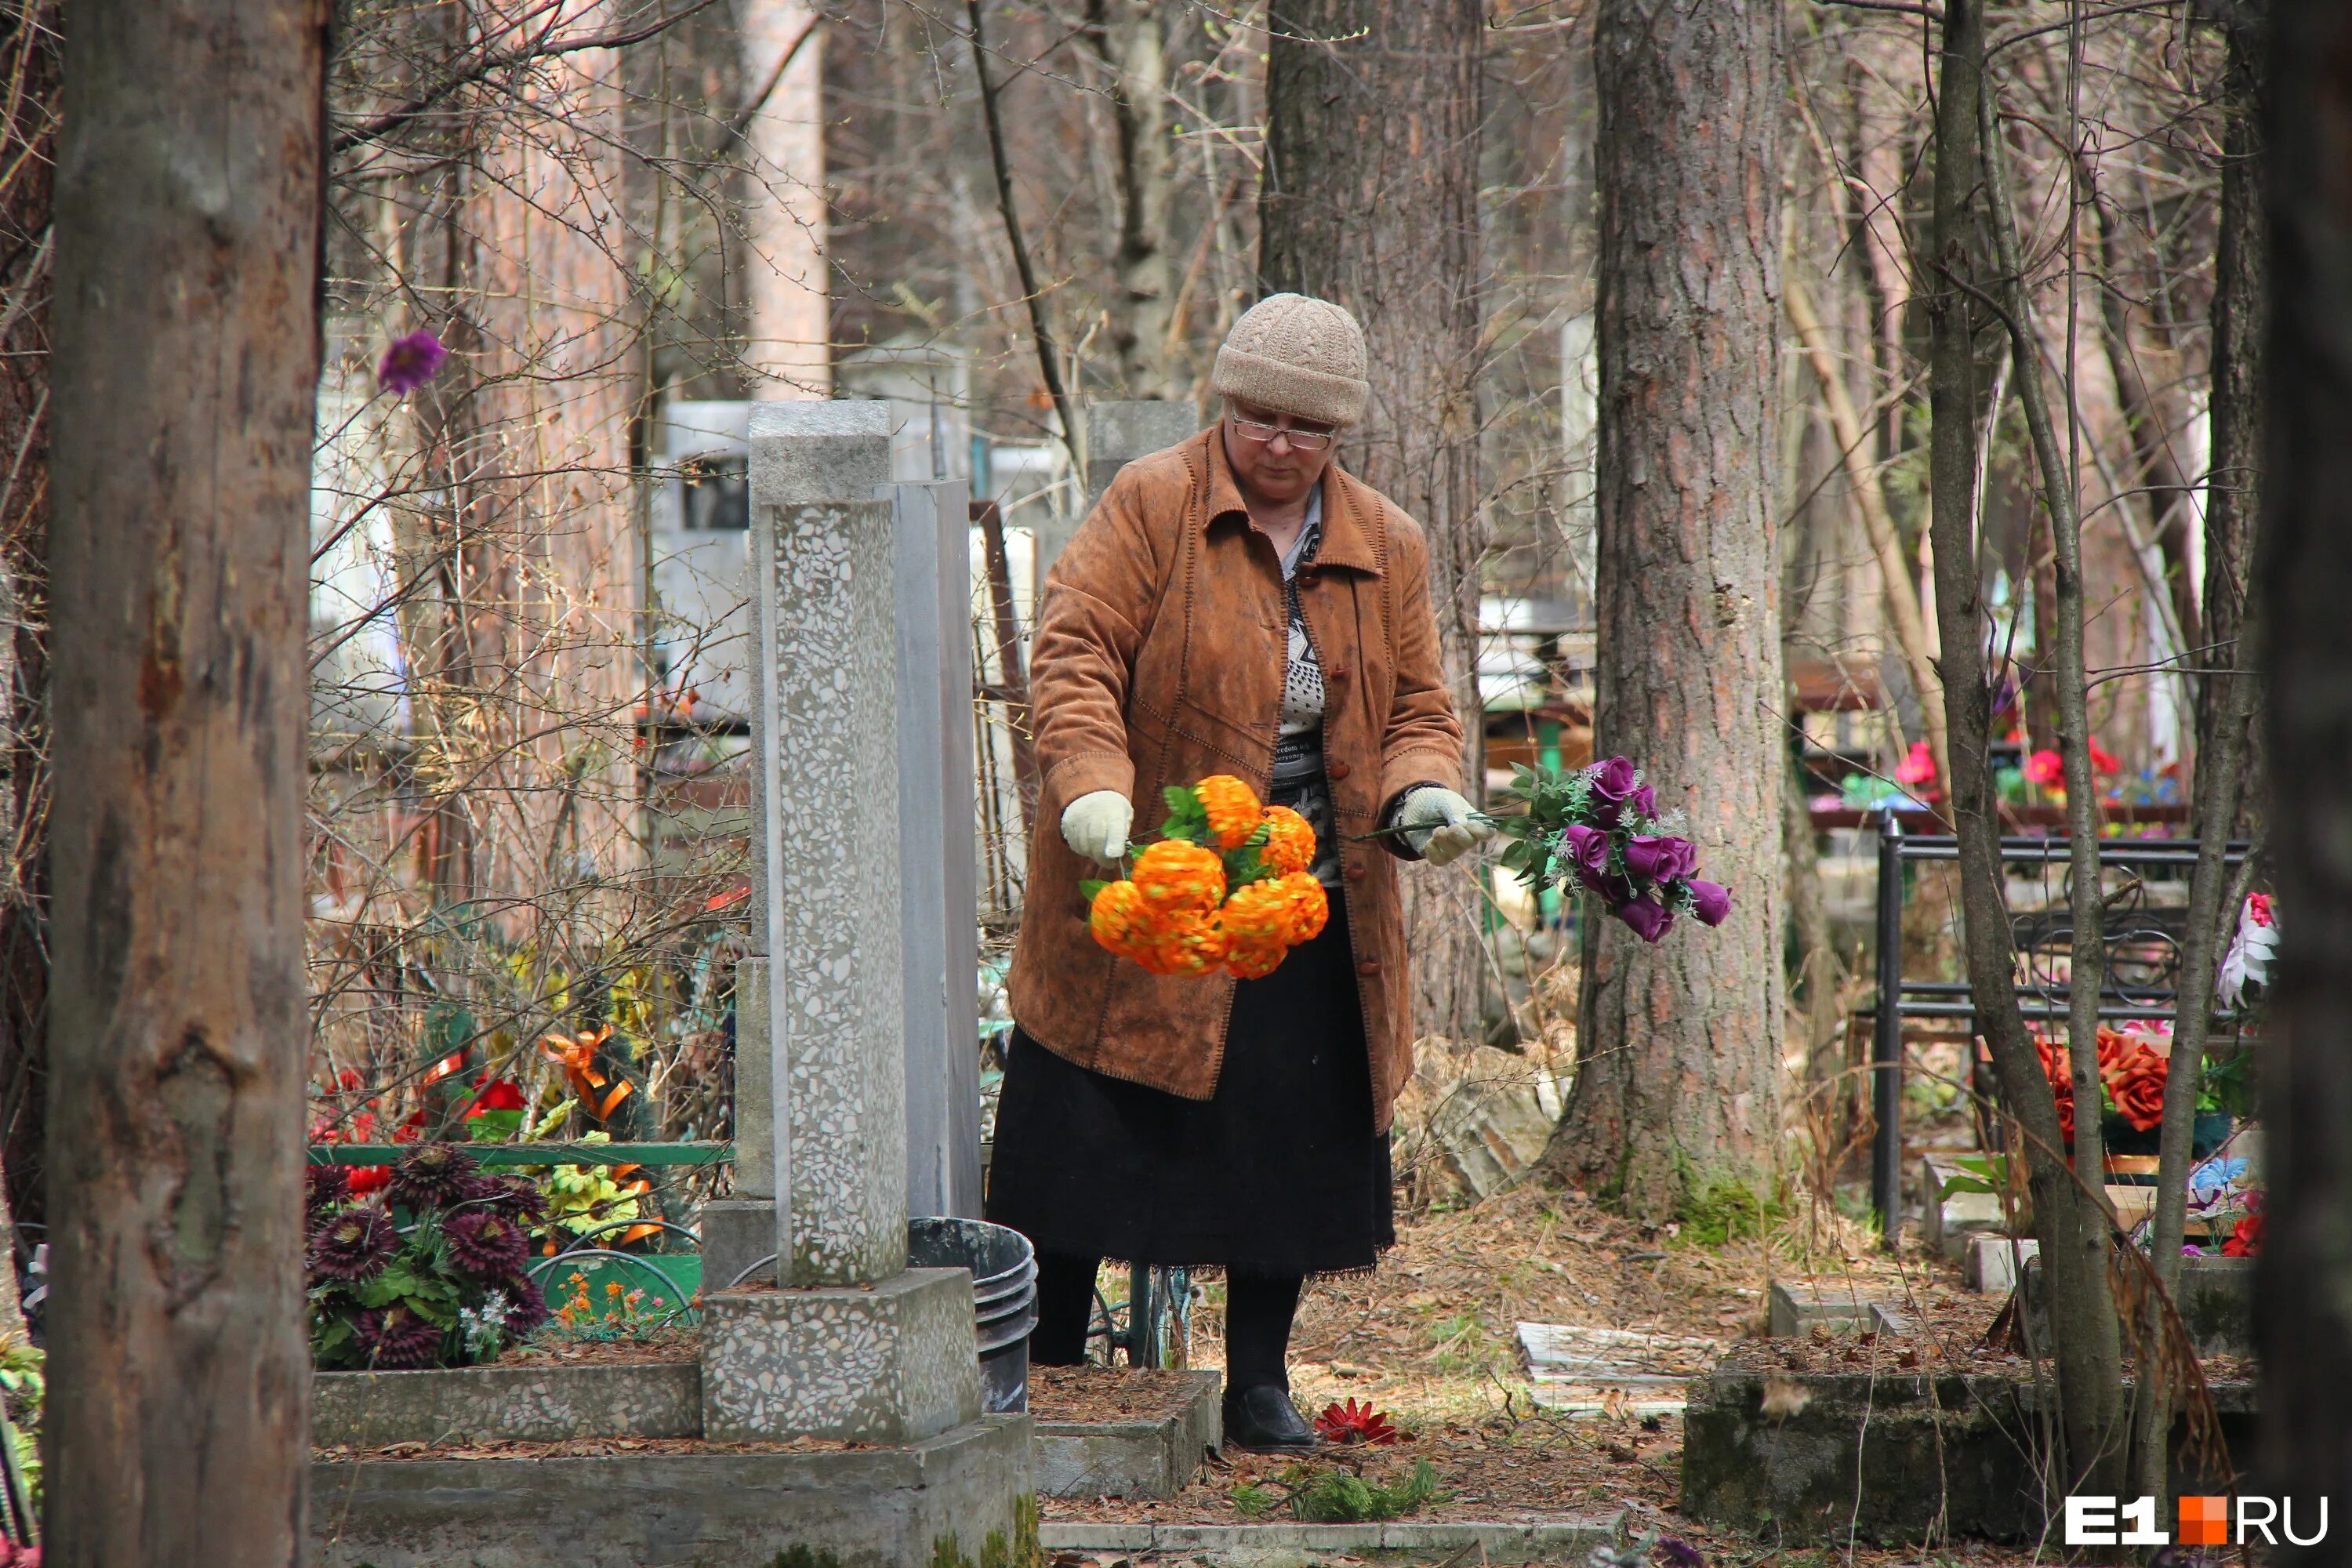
(1096, 825)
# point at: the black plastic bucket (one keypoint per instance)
(1004, 1297)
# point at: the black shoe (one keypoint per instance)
(1261, 1420)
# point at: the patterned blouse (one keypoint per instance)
(1299, 780)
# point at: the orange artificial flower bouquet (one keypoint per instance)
(1227, 887)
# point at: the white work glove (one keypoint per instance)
(1440, 824)
(1096, 825)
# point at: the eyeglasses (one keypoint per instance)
(1305, 440)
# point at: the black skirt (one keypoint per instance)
(1279, 1173)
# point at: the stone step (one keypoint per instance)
(1147, 1457)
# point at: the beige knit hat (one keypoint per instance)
(1295, 355)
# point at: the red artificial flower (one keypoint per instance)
(1354, 1422)
(350, 1079)
(2056, 1069)
(2246, 1240)
(366, 1179)
(2103, 760)
(2044, 769)
(503, 1095)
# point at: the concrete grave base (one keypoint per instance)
(1893, 1457)
(506, 1403)
(890, 1363)
(1144, 1458)
(1287, 1545)
(956, 1500)
(2216, 1303)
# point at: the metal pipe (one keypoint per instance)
(1886, 1038)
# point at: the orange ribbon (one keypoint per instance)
(576, 1056)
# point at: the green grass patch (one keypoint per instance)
(1337, 1496)
(1725, 1210)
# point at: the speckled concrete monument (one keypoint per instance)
(846, 1342)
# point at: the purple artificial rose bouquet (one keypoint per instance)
(1599, 826)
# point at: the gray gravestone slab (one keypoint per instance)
(828, 684)
(755, 1108)
(1795, 1309)
(890, 1364)
(1990, 1263)
(937, 847)
(1116, 433)
(1951, 1220)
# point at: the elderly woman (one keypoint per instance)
(1241, 604)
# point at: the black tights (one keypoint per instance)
(1259, 1309)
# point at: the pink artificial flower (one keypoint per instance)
(2044, 769)
(1918, 768)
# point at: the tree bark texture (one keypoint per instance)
(2227, 711)
(1130, 40)
(2303, 1299)
(189, 194)
(1677, 1084)
(2071, 1225)
(2234, 482)
(1370, 199)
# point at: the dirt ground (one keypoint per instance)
(1428, 1338)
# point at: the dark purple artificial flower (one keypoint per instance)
(324, 1188)
(1672, 1553)
(410, 363)
(510, 1197)
(1710, 901)
(1612, 781)
(435, 1175)
(396, 1338)
(526, 1304)
(1644, 802)
(1648, 918)
(484, 1244)
(1660, 859)
(355, 1244)
(1588, 850)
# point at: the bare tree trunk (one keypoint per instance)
(2073, 1226)
(2233, 483)
(1371, 199)
(1678, 1088)
(2228, 704)
(2303, 1290)
(189, 194)
(1130, 38)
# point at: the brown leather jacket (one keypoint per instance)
(1158, 660)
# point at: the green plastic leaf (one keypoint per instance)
(1091, 887)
